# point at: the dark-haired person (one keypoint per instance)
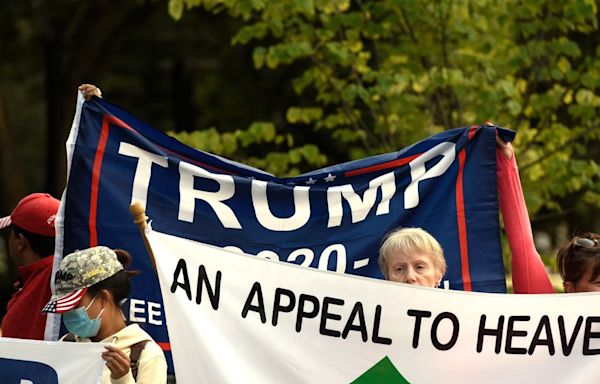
(579, 264)
(89, 285)
(31, 247)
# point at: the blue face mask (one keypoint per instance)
(78, 322)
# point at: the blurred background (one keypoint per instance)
(294, 85)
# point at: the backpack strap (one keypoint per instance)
(134, 356)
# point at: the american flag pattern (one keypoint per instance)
(65, 303)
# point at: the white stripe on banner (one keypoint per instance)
(5, 222)
(50, 362)
(67, 301)
(233, 319)
(53, 320)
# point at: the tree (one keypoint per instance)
(48, 49)
(379, 75)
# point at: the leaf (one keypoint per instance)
(303, 115)
(258, 57)
(564, 65)
(585, 97)
(250, 32)
(176, 9)
(305, 6)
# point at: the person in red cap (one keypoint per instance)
(31, 247)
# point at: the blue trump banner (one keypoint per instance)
(332, 219)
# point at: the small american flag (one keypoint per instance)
(65, 303)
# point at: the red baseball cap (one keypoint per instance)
(35, 213)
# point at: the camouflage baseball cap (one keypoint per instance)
(78, 271)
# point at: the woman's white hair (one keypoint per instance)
(409, 241)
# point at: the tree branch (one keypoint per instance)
(556, 150)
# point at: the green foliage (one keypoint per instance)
(234, 145)
(380, 75)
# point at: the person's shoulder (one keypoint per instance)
(48, 265)
(152, 349)
(143, 336)
(134, 330)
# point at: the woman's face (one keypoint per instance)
(586, 283)
(94, 310)
(417, 269)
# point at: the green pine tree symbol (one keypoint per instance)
(384, 372)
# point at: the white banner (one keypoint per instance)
(235, 318)
(50, 362)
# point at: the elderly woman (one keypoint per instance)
(579, 264)
(412, 256)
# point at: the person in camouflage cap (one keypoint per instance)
(77, 272)
(90, 286)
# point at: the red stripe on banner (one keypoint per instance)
(461, 217)
(473, 131)
(165, 346)
(197, 162)
(462, 223)
(379, 167)
(116, 121)
(106, 120)
(119, 122)
(96, 179)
